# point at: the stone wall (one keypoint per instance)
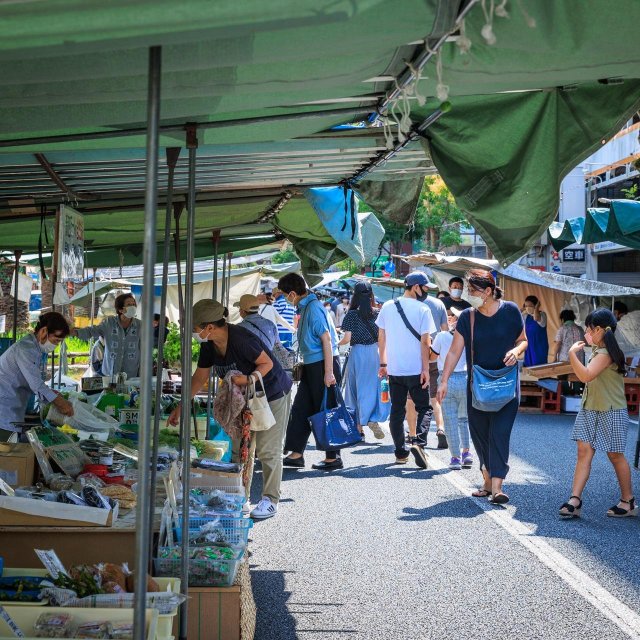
(6, 301)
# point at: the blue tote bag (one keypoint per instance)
(334, 428)
(491, 389)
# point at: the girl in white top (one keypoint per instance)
(454, 406)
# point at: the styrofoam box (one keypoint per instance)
(571, 404)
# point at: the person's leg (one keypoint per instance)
(499, 440)
(580, 477)
(420, 398)
(437, 409)
(298, 429)
(450, 407)
(412, 418)
(463, 420)
(623, 473)
(351, 391)
(330, 456)
(479, 430)
(398, 397)
(269, 448)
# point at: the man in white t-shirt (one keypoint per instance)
(404, 342)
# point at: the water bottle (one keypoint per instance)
(384, 390)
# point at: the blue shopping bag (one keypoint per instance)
(334, 428)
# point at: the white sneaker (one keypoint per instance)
(264, 509)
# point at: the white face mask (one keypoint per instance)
(456, 293)
(48, 346)
(130, 312)
(475, 301)
(198, 338)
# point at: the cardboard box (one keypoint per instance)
(17, 465)
(217, 479)
(28, 512)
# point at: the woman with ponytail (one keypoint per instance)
(23, 370)
(493, 334)
(362, 393)
(603, 421)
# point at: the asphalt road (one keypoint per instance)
(382, 551)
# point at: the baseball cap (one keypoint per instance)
(416, 277)
(248, 302)
(207, 311)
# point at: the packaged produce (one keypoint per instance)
(114, 578)
(60, 482)
(124, 495)
(94, 498)
(37, 493)
(94, 630)
(122, 631)
(68, 497)
(152, 585)
(214, 465)
(53, 625)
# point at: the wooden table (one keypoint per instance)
(74, 545)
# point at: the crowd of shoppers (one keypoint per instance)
(427, 351)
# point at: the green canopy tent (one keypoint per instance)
(620, 223)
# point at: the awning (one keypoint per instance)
(268, 86)
(619, 223)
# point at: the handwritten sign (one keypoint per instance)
(70, 245)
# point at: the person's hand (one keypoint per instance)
(424, 379)
(329, 379)
(576, 347)
(240, 381)
(441, 393)
(63, 406)
(174, 417)
(73, 331)
(536, 308)
(510, 358)
(382, 372)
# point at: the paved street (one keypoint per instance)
(382, 551)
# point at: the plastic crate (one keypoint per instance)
(203, 572)
(238, 495)
(235, 530)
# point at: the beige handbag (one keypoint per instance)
(262, 416)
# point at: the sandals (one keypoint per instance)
(568, 510)
(619, 512)
(481, 493)
(499, 498)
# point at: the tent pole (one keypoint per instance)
(185, 414)
(93, 298)
(18, 254)
(224, 277)
(229, 256)
(216, 238)
(143, 523)
(173, 154)
(177, 212)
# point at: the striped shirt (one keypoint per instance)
(21, 374)
(288, 312)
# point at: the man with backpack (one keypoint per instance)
(404, 342)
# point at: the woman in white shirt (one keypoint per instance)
(454, 406)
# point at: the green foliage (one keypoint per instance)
(437, 221)
(76, 344)
(632, 192)
(282, 257)
(173, 350)
(347, 265)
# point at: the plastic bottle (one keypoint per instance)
(384, 390)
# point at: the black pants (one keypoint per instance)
(491, 433)
(308, 401)
(399, 387)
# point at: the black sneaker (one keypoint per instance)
(419, 456)
(442, 440)
(297, 463)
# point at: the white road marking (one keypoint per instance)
(604, 601)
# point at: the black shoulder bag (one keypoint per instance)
(406, 321)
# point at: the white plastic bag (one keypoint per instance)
(85, 417)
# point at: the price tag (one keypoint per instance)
(52, 563)
(17, 631)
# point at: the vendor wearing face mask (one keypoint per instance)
(535, 324)
(22, 372)
(121, 334)
(456, 286)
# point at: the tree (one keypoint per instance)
(436, 224)
(442, 216)
(282, 257)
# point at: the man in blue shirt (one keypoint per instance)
(318, 344)
(288, 312)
